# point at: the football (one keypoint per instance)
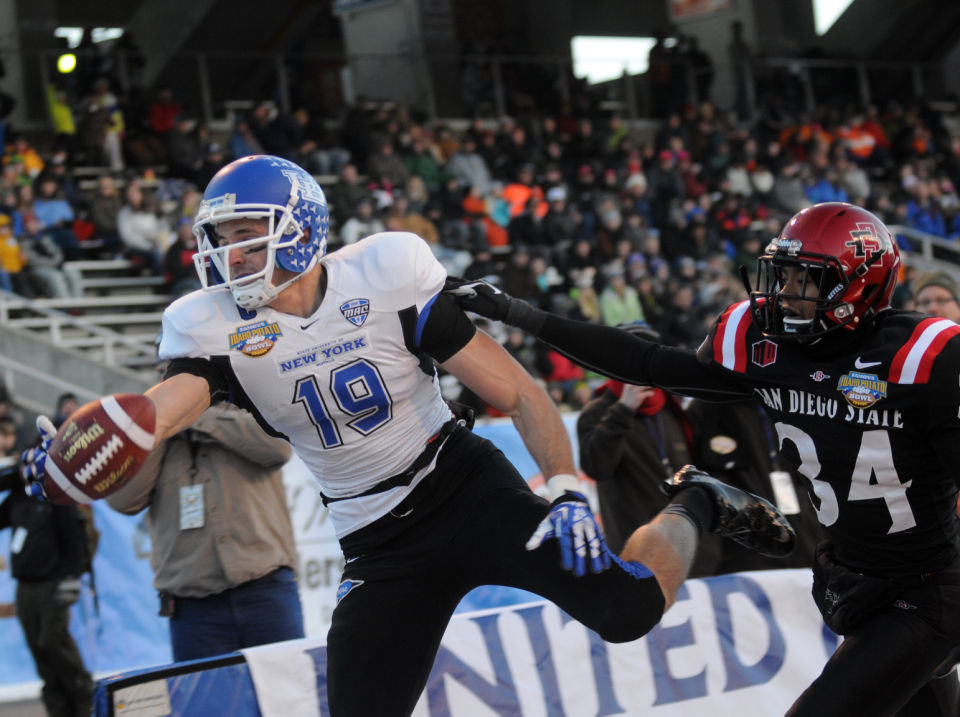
(99, 448)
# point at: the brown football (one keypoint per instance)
(99, 448)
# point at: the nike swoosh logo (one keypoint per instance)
(865, 364)
(304, 327)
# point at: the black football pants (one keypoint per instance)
(469, 528)
(886, 665)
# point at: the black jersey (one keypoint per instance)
(874, 430)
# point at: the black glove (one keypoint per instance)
(478, 296)
(485, 299)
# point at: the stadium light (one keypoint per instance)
(66, 63)
(601, 59)
(827, 12)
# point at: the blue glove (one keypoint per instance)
(34, 459)
(571, 522)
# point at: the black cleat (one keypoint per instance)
(748, 519)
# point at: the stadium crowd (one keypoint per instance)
(577, 212)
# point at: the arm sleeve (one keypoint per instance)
(443, 328)
(632, 359)
(212, 372)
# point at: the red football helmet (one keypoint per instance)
(847, 255)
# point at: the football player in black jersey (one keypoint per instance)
(865, 402)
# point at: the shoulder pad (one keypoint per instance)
(914, 360)
(726, 345)
(400, 266)
(190, 324)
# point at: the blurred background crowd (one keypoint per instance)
(576, 211)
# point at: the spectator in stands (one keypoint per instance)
(417, 194)
(44, 273)
(213, 161)
(619, 303)
(682, 324)
(343, 197)
(826, 187)
(789, 187)
(67, 403)
(223, 553)
(665, 187)
(527, 227)
(61, 117)
(56, 215)
(142, 232)
(923, 213)
(362, 224)
(103, 125)
(559, 223)
(276, 131)
(852, 178)
(11, 258)
(400, 219)
(243, 142)
(178, 269)
(48, 553)
(105, 206)
(632, 438)
(23, 154)
(184, 149)
(936, 294)
(163, 113)
(420, 161)
(469, 167)
(386, 168)
(314, 154)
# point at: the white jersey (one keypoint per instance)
(342, 385)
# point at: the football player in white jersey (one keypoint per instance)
(336, 354)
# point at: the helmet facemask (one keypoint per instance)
(212, 261)
(821, 286)
(294, 210)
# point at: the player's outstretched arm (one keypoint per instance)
(179, 401)
(488, 370)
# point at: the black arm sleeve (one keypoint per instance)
(445, 329)
(211, 371)
(632, 359)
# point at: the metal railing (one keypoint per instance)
(56, 322)
(219, 82)
(929, 249)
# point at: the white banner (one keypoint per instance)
(747, 643)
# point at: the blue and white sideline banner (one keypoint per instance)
(732, 645)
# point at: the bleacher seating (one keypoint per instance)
(116, 321)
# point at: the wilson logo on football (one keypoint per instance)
(255, 339)
(355, 311)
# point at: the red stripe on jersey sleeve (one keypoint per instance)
(739, 346)
(930, 353)
(926, 363)
(718, 334)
